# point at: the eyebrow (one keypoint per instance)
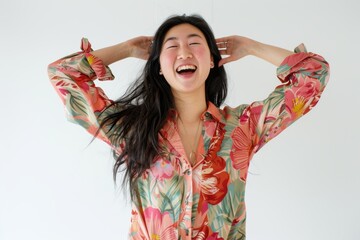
(189, 36)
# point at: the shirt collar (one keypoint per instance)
(211, 113)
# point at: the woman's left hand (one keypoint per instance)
(235, 47)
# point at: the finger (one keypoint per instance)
(222, 39)
(221, 45)
(223, 52)
(150, 38)
(221, 62)
(147, 40)
(225, 61)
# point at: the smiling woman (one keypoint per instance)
(186, 159)
(186, 61)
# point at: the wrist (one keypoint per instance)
(123, 50)
(255, 48)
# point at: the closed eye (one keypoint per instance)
(194, 43)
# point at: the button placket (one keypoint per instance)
(186, 227)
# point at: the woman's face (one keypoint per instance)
(185, 59)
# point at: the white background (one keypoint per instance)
(304, 184)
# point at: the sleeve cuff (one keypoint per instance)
(292, 63)
(102, 72)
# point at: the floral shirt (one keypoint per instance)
(204, 201)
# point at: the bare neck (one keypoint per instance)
(190, 107)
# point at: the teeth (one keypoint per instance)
(186, 67)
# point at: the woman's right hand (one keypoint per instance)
(139, 47)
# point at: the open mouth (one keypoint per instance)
(186, 69)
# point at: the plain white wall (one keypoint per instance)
(303, 185)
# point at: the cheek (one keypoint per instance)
(203, 54)
(165, 60)
(166, 66)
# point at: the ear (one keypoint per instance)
(160, 72)
(212, 62)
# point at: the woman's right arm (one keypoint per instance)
(73, 78)
(137, 47)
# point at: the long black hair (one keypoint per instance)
(133, 122)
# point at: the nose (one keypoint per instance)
(184, 52)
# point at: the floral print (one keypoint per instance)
(204, 201)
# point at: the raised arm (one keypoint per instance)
(137, 47)
(303, 77)
(236, 47)
(73, 78)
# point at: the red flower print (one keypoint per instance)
(214, 178)
(74, 75)
(84, 86)
(214, 236)
(63, 91)
(97, 65)
(243, 139)
(204, 232)
(294, 59)
(241, 150)
(302, 97)
(201, 233)
(209, 128)
(161, 225)
(98, 99)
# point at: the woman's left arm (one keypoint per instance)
(236, 47)
(303, 75)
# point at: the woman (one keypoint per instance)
(185, 159)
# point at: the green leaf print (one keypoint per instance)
(222, 215)
(173, 189)
(77, 104)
